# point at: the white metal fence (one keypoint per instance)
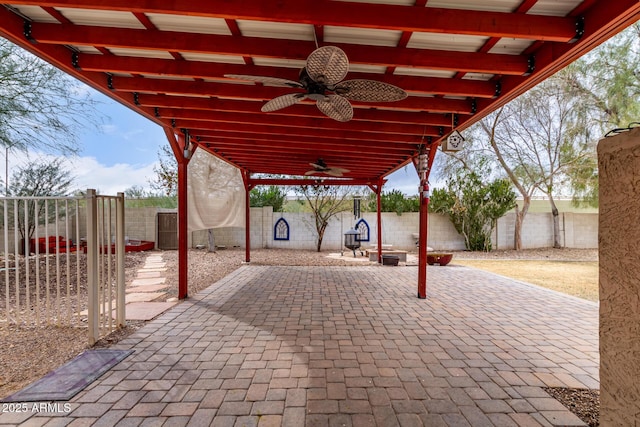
(51, 274)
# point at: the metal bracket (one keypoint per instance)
(110, 82)
(579, 30)
(531, 65)
(474, 106)
(455, 119)
(173, 123)
(156, 112)
(440, 131)
(429, 139)
(498, 91)
(75, 60)
(27, 31)
(136, 98)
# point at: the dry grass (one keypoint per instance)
(577, 278)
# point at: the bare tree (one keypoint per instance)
(325, 202)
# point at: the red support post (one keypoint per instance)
(247, 237)
(183, 244)
(422, 240)
(423, 166)
(379, 213)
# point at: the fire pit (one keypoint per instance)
(351, 241)
(439, 258)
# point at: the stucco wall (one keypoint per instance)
(619, 170)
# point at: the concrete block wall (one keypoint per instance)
(577, 230)
(581, 230)
(141, 223)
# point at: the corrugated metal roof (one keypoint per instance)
(189, 24)
(361, 36)
(101, 18)
(488, 5)
(458, 60)
(276, 30)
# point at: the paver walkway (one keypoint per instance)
(348, 346)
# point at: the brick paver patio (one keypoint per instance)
(348, 346)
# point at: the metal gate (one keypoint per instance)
(167, 230)
(62, 262)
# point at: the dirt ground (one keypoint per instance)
(50, 347)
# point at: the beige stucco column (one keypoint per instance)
(619, 250)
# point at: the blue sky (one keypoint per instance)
(124, 152)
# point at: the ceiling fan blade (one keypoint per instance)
(369, 91)
(336, 107)
(273, 81)
(327, 65)
(307, 173)
(334, 172)
(282, 102)
(319, 165)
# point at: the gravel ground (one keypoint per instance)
(58, 345)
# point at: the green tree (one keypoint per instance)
(394, 201)
(40, 178)
(325, 202)
(474, 207)
(608, 80)
(138, 197)
(268, 196)
(41, 107)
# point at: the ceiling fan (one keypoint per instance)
(323, 73)
(321, 167)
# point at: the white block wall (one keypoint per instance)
(577, 230)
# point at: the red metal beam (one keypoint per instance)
(358, 154)
(308, 123)
(275, 133)
(264, 93)
(209, 70)
(188, 104)
(197, 126)
(167, 41)
(299, 163)
(315, 180)
(376, 16)
(284, 142)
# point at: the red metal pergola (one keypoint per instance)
(458, 60)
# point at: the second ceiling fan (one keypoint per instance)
(321, 78)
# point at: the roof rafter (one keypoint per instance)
(84, 35)
(283, 120)
(302, 110)
(197, 126)
(376, 16)
(209, 70)
(263, 93)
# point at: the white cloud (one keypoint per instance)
(90, 173)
